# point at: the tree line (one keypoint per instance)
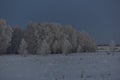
(43, 38)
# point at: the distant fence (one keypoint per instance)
(107, 48)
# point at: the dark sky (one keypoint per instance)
(101, 18)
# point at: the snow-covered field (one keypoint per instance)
(85, 66)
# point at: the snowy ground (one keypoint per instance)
(85, 66)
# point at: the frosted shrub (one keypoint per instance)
(112, 46)
(23, 48)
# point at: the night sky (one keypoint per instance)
(100, 18)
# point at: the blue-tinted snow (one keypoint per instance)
(85, 66)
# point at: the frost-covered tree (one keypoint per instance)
(86, 43)
(66, 46)
(44, 48)
(23, 47)
(56, 47)
(31, 37)
(36, 33)
(71, 34)
(5, 36)
(17, 36)
(79, 49)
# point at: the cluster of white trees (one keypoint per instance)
(44, 38)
